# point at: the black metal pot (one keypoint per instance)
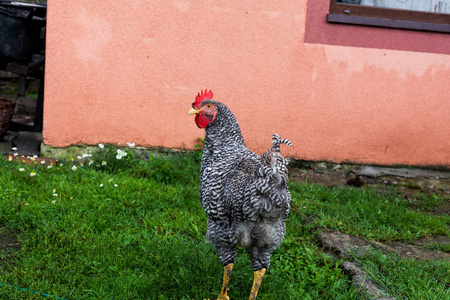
(20, 29)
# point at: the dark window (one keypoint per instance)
(429, 15)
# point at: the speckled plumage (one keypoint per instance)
(245, 196)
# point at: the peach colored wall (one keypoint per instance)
(121, 71)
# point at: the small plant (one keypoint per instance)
(200, 144)
(112, 159)
(412, 186)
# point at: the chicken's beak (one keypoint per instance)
(194, 111)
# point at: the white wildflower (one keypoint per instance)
(74, 168)
(101, 146)
(121, 153)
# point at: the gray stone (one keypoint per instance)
(343, 244)
(361, 281)
(400, 172)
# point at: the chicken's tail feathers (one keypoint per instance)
(273, 157)
(277, 140)
(268, 195)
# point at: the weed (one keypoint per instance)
(412, 186)
(200, 143)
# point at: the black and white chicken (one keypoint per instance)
(245, 196)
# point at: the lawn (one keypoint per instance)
(116, 226)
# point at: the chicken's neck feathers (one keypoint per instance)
(224, 131)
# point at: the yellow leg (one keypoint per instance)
(226, 277)
(257, 279)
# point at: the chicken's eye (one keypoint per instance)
(208, 106)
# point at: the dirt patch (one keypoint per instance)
(408, 182)
(8, 244)
(423, 248)
(347, 246)
(411, 181)
(342, 245)
(327, 179)
(362, 282)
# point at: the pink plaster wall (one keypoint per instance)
(129, 71)
(322, 32)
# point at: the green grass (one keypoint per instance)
(408, 278)
(371, 213)
(438, 247)
(134, 229)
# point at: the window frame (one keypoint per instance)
(387, 17)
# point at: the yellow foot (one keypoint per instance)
(226, 277)
(220, 298)
(257, 279)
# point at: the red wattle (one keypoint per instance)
(201, 120)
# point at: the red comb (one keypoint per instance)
(204, 95)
